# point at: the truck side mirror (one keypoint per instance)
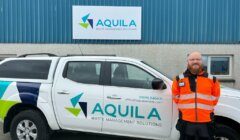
(158, 84)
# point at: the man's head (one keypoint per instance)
(194, 62)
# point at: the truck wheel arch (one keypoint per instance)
(13, 111)
(228, 122)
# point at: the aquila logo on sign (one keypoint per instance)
(115, 23)
(86, 22)
(106, 22)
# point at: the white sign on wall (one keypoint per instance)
(107, 22)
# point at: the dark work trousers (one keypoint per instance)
(197, 131)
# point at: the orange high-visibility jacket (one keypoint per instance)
(196, 96)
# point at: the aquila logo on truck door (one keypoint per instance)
(125, 111)
(112, 110)
(75, 110)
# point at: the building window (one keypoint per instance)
(220, 66)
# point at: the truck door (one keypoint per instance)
(77, 89)
(132, 107)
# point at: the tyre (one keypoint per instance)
(224, 132)
(29, 125)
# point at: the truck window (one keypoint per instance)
(84, 72)
(25, 69)
(127, 75)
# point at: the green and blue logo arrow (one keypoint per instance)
(75, 101)
(86, 21)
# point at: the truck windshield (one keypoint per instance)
(155, 68)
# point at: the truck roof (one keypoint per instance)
(37, 56)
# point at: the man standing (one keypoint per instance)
(196, 93)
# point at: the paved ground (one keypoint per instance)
(2, 136)
(73, 136)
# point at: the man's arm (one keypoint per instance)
(175, 90)
(216, 92)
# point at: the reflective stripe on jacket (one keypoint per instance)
(196, 95)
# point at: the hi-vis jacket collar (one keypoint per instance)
(188, 73)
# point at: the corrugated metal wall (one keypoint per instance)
(163, 21)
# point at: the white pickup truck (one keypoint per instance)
(99, 94)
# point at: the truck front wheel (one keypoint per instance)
(224, 132)
(29, 125)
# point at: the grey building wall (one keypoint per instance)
(169, 58)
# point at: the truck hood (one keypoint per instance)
(230, 92)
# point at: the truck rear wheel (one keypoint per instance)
(224, 132)
(29, 125)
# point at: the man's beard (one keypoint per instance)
(195, 71)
